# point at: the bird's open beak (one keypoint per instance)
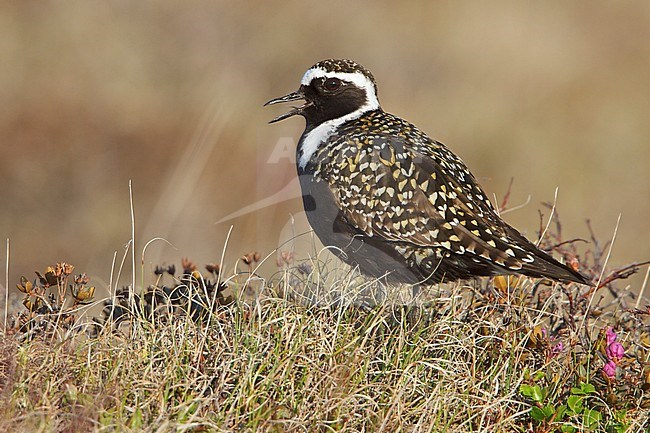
(295, 96)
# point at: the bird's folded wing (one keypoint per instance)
(426, 200)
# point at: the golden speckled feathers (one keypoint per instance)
(392, 182)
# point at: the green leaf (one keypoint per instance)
(549, 411)
(588, 388)
(538, 375)
(575, 403)
(542, 414)
(583, 389)
(533, 392)
(568, 428)
(537, 414)
(561, 410)
(617, 427)
(591, 418)
(136, 420)
(620, 415)
(526, 390)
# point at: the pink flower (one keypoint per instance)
(610, 369)
(615, 351)
(559, 347)
(611, 335)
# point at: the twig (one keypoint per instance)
(643, 286)
(6, 287)
(570, 241)
(131, 300)
(590, 293)
(598, 249)
(618, 274)
(550, 218)
(506, 197)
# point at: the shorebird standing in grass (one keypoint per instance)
(391, 200)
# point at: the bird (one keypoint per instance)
(390, 200)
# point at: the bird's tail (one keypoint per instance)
(545, 266)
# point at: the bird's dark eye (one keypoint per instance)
(331, 84)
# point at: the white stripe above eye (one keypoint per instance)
(310, 142)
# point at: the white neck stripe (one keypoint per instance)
(314, 138)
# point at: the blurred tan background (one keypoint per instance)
(169, 95)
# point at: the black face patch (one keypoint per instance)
(331, 100)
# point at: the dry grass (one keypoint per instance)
(205, 362)
(317, 348)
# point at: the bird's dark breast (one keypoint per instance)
(372, 257)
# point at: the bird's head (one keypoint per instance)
(332, 89)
